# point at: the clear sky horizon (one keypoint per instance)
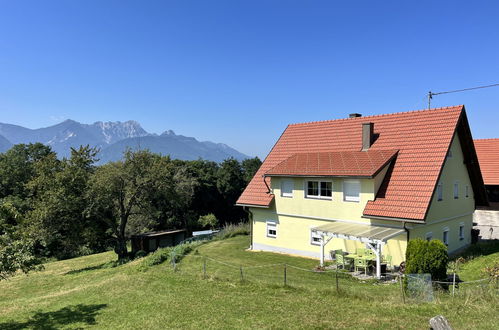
(238, 72)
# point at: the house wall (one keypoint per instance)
(450, 212)
(296, 216)
(294, 237)
(334, 208)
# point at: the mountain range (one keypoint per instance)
(113, 138)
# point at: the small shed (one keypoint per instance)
(151, 241)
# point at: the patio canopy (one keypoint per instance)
(353, 231)
(373, 236)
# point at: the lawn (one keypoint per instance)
(85, 293)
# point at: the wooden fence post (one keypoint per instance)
(337, 283)
(453, 283)
(285, 276)
(402, 289)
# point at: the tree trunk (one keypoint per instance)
(120, 248)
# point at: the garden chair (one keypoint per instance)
(387, 260)
(361, 263)
(341, 260)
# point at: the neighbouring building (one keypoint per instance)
(151, 241)
(373, 182)
(487, 217)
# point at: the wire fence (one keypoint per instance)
(407, 288)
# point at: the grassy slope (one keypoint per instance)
(80, 293)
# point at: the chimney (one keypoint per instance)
(367, 135)
(355, 115)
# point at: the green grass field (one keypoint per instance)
(85, 293)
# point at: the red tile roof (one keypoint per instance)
(335, 163)
(488, 156)
(422, 138)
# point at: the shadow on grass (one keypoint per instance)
(86, 269)
(55, 320)
(109, 264)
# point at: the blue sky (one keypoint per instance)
(239, 71)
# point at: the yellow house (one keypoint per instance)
(373, 182)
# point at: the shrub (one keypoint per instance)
(492, 271)
(234, 230)
(140, 254)
(208, 220)
(427, 257)
(157, 257)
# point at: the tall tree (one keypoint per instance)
(250, 166)
(16, 251)
(59, 200)
(17, 167)
(230, 184)
(127, 190)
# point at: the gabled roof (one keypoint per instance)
(334, 163)
(488, 156)
(422, 138)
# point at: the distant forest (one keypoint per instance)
(63, 208)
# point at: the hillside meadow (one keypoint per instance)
(91, 292)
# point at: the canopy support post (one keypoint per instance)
(323, 243)
(322, 250)
(378, 260)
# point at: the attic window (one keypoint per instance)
(351, 190)
(319, 189)
(456, 190)
(439, 191)
(287, 188)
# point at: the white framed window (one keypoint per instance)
(456, 190)
(445, 236)
(319, 189)
(315, 238)
(287, 188)
(461, 231)
(271, 229)
(440, 191)
(467, 191)
(429, 236)
(351, 191)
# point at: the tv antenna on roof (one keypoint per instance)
(431, 94)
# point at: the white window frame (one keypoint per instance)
(318, 189)
(440, 192)
(271, 225)
(456, 190)
(461, 231)
(360, 191)
(429, 236)
(445, 236)
(287, 194)
(313, 235)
